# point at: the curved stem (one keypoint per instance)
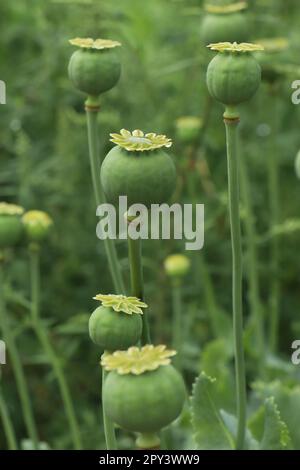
(233, 189)
(137, 282)
(43, 338)
(253, 275)
(177, 322)
(109, 428)
(110, 249)
(7, 424)
(17, 367)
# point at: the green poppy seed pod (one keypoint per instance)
(37, 225)
(117, 324)
(11, 228)
(139, 399)
(233, 75)
(225, 27)
(95, 67)
(114, 330)
(138, 168)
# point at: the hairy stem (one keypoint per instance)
(233, 189)
(17, 366)
(43, 337)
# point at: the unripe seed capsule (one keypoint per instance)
(233, 75)
(11, 228)
(117, 324)
(138, 168)
(95, 67)
(143, 393)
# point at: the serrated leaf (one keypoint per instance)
(276, 434)
(210, 431)
(288, 401)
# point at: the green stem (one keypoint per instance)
(7, 424)
(110, 249)
(253, 276)
(92, 109)
(17, 366)
(233, 189)
(274, 198)
(43, 337)
(137, 282)
(177, 322)
(109, 429)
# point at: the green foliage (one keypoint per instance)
(210, 431)
(44, 165)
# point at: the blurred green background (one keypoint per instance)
(44, 165)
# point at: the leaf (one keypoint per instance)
(288, 401)
(276, 434)
(216, 362)
(210, 431)
(231, 424)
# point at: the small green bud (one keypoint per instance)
(177, 266)
(188, 128)
(37, 225)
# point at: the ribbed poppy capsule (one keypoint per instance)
(95, 67)
(117, 323)
(11, 228)
(233, 75)
(143, 392)
(138, 167)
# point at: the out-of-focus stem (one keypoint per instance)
(17, 366)
(43, 337)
